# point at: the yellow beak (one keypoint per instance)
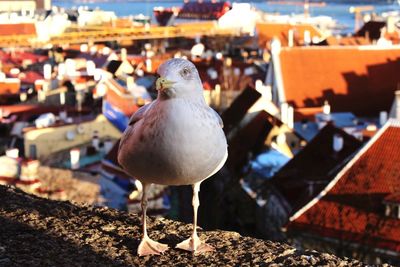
(162, 83)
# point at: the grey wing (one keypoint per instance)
(139, 114)
(217, 117)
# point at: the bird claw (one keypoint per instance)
(150, 247)
(195, 245)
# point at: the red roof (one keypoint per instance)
(352, 206)
(10, 87)
(18, 29)
(204, 10)
(356, 79)
(30, 77)
(269, 30)
(118, 97)
(19, 57)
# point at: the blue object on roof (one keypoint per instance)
(269, 162)
(115, 116)
(343, 120)
(307, 130)
(340, 119)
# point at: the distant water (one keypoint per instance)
(339, 10)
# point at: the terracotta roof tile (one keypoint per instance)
(10, 87)
(355, 79)
(18, 29)
(353, 209)
(268, 31)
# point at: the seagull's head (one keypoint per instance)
(178, 78)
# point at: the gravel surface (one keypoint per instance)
(41, 232)
(78, 186)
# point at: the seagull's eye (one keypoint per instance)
(185, 72)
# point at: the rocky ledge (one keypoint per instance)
(42, 232)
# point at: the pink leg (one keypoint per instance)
(148, 246)
(194, 244)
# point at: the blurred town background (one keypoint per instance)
(309, 93)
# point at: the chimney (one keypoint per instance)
(395, 109)
(61, 71)
(106, 51)
(290, 117)
(387, 210)
(291, 38)
(84, 48)
(93, 50)
(70, 67)
(74, 154)
(148, 65)
(284, 112)
(383, 117)
(130, 83)
(124, 54)
(228, 62)
(90, 67)
(337, 143)
(23, 96)
(391, 24)
(47, 71)
(326, 108)
(307, 37)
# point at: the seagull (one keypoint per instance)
(175, 140)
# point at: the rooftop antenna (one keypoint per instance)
(357, 10)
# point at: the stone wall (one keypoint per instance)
(41, 232)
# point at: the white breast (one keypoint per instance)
(177, 143)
